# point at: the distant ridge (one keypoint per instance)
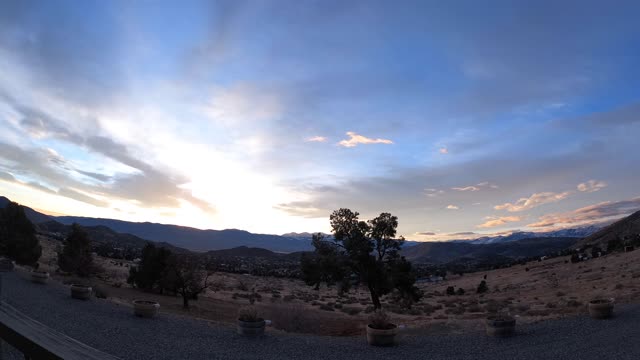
(195, 239)
(34, 216)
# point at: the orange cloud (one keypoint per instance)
(534, 200)
(589, 214)
(494, 221)
(592, 186)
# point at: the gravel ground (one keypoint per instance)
(112, 328)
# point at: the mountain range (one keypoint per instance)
(186, 238)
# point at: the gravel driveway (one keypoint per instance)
(112, 328)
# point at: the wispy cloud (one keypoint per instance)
(426, 233)
(533, 201)
(477, 187)
(443, 150)
(433, 192)
(355, 139)
(495, 221)
(453, 207)
(316, 139)
(589, 214)
(592, 186)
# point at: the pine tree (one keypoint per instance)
(18, 239)
(76, 255)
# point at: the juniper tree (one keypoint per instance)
(367, 251)
(18, 239)
(75, 256)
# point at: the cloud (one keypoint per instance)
(303, 209)
(443, 150)
(244, 104)
(452, 207)
(533, 201)
(466, 188)
(73, 194)
(589, 214)
(478, 187)
(494, 221)
(355, 139)
(150, 186)
(433, 192)
(316, 139)
(464, 233)
(427, 233)
(591, 186)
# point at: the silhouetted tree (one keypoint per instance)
(76, 255)
(325, 265)
(367, 250)
(482, 287)
(190, 277)
(152, 271)
(18, 239)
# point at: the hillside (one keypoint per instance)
(192, 238)
(102, 235)
(623, 229)
(448, 252)
(34, 216)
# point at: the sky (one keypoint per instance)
(461, 118)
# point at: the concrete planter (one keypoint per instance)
(382, 337)
(80, 292)
(251, 328)
(145, 308)
(39, 277)
(601, 308)
(501, 326)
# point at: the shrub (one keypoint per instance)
(369, 309)
(573, 303)
(248, 314)
(482, 287)
(380, 320)
(326, 307)
(451, 290)
(460, 291)
(100, 292)
(351, 310)
(414, 312)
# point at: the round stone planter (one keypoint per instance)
(251, 328)
(145, 308)
(382, 337)
(601, 308)
(39, 277)
(80, 292)
(501, 326)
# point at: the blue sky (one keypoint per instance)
(266, 116)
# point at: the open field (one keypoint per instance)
(114, 329)
(533, 292)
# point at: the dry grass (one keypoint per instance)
(549, 289)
